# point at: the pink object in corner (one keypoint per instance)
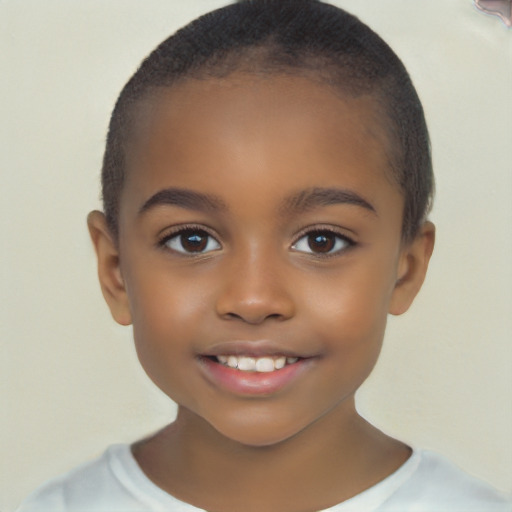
(501, 8)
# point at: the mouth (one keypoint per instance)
(261, 364)
(248, 375)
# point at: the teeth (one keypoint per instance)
(256, 364)
(232, 361)
(247, 364)
(279, 363)
(265, 364)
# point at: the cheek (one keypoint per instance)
(351, 325)
(163, 301)
(166, 313)
(352, 304)
(350, 315)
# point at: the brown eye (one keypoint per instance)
(190, 241)
(322, 242)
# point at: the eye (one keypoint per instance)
(322, 242)
(191, 241)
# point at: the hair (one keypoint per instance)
(294, 37)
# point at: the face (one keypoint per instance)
(258, 229)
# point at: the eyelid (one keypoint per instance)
(171, 232)
(178, 228)
(337, 230)
(319, 228)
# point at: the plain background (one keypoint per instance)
(70, 383)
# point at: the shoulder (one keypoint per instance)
(437, 484)
(111, 483)
(82, 488)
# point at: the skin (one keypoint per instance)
(253, 143)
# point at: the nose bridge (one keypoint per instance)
(254, 286)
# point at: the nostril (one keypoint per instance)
(233, 316)
(254, 301)
(253, 317)
(275, 316)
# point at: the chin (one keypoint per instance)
(257, 432)
(258, 438)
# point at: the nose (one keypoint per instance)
(254, 290)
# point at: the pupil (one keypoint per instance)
(321, 242)
(194, 241)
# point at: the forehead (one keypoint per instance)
(290, 130)
(247, 98)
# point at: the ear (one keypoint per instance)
(412, 268)
(109, 270)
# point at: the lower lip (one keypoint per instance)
(251, 383)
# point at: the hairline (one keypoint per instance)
(398, 110)
(342, 90)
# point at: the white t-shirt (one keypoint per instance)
(115, 483)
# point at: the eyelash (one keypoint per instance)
(192, 230)
(334, 235)
(211, 244)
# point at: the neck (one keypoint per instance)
(332, 460)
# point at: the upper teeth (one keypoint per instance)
(256, 364)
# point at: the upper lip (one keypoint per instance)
(256, 348)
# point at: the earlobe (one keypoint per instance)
(412, 269)
(109, 270)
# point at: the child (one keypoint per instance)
(266, 183)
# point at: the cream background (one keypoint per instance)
(69, 380)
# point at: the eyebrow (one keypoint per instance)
(314, 197)
(302, 201)
(184, 198)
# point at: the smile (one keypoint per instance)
(263, 364)
(253, 375)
